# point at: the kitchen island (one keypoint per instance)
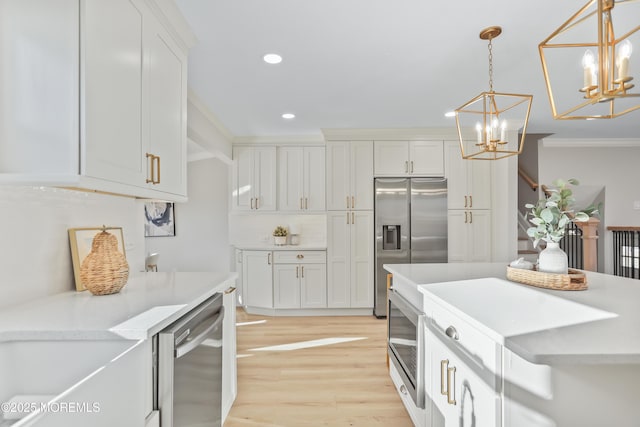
(499, 353)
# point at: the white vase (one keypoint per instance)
(553, 259)
(280, 240)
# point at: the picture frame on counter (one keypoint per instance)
(159, 219)
(81, 240)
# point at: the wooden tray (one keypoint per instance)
(575, 280)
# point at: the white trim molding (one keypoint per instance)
(280, 140)
(411, 134)
(590, 142)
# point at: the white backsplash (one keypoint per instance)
(34, 249)
(256, 229)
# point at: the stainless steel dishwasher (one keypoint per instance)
(190, 368)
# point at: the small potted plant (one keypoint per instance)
(280, 236)
(550, 217)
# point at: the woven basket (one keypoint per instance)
(105, 270)
(575, 280)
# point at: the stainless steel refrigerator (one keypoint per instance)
(410, 227)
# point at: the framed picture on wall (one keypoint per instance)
(159, 219)
(81, 240)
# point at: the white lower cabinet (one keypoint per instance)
(300, 280)
(257, 278)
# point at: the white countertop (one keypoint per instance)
(608, 340)
(147, 304)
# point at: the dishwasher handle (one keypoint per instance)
(194, 342)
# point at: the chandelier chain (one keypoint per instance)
(490, 66)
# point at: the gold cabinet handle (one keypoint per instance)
(353, 202)
(347, 218)
(466, 217)
(297, 272)
(230, 290)
(353, 218)
(152, 166)
(411, 166)
(300, 203)
(257, 199)
(299, 256)
(470, 201)
(157, 169)
(470, 217)
(269, 258)
(444, 365)
(306, 203)
(406, 167)
(465, 201)
(347, 202)
(302, 270)
(451, 385)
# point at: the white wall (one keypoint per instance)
(201, 242)
(616, 168)
(34, 245)
(252, 229)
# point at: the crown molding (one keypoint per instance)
(197, 103)
(280, 140)
(391, 134)
(172, 20)
(590, 142)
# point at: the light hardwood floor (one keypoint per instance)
(344, 384)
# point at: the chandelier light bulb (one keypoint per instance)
(479, 132)
(503, 131)
(589, 68)
(624, 54)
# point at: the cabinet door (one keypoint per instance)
(457, 233)
(338, 176)
(479, 184)
(286, 285)
(461, 398)
(426, 158)
(111, 127)
(456, 174)
(39, 75)
(361, 175)
(362, 283)
(479, 243)
(290, 177)
(166, 102)
(258, 279)
(264, 178)
(242, 193)
(338, 259)
(391, 158)
(314, 182)
(313, 286)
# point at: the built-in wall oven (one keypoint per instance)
(189, 387)
(406, 345)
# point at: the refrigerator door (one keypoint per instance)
(428, 220)
(392, 228)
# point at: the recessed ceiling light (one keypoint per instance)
(272, 58)
(288, 116)
(450, 114)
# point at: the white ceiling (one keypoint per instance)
(372, 63)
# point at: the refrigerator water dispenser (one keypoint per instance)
(390, 237)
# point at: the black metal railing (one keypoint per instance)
(626, 252)
(571, 243)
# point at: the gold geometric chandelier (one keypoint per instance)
(486, 122)
(586, 62)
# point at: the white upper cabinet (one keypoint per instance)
(254, 178)
(301, 173)
(409, 158)
(469, 235)
(349, 175)
(90, 107)
(469, 180)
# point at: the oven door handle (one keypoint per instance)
(194, 342)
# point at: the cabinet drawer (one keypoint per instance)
(462, 337)
(299, 257)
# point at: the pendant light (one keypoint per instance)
(487, 122)
(587, 62)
